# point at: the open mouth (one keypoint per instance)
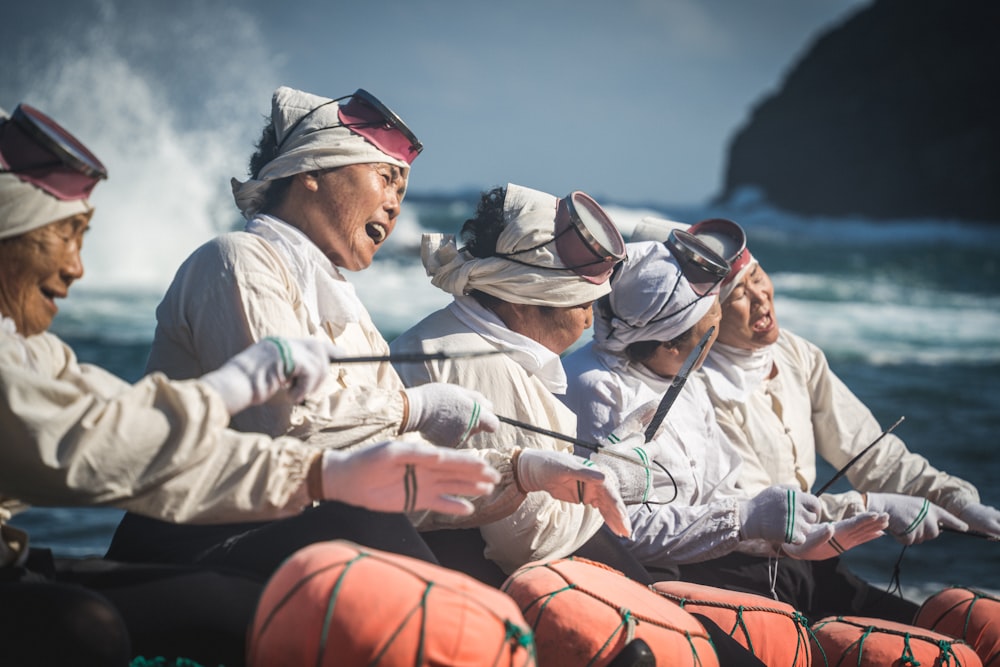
(376, 232)
(763, 322)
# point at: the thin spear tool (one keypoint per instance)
(842, 471)
(412, 357)
(568, 438)
(675, 387)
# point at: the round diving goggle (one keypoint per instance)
(40, 151)
(586, 240)
(368, 117)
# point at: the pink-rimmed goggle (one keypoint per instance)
(39, 151)
(586, 240)
(366, 116)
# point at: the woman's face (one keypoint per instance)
(554, 327)
(748, 319)
(350, 211)
(36, 268)
(667, 361)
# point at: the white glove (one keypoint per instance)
(843, 535)
(913, 519)
(257, 373)
(630, 464)
(779, 514)
(447, 414)
(396, 476)
(981, 518)
(635, 422)
(573, 480)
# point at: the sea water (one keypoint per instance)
(908, 313)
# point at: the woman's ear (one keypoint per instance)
(308, 180)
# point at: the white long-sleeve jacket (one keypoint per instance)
(806, 410)
(701, 521)
(242, 287)
(532, 527)
(74, 434)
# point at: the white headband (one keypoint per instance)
(642, 292)
(23, 207)
(530, 221)
(319, 141)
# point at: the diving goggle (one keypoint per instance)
(702, 267)
(586, 240)
(367, 116)
(727, 239)
(40, 151)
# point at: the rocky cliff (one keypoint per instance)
(894, 113)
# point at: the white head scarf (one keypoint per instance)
(319, 141)
(24, 207)
(531, 218)
(642, 292)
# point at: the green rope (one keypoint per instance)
(907, 658)
(160, 661)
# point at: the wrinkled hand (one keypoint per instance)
(844, 534)
(571, 479)
(630, 461)
(913, 519)
(780, 514)
(398, 476)
(981, 518)
(447, 414)
(257, 373)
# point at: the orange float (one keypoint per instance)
(773, 631)
(873, 642)
(970, 615)
(583, 613)
(335, 603)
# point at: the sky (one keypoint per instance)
(633, 101)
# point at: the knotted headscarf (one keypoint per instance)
(530, 218)
(642, 293)
(319, 141)
(24, 207)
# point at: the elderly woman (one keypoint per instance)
(663, 302)
(76, 435)
(758, 365)
(523, 283)
(327, 182)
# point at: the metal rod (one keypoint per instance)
(840, 473)
(412, 357)
(675, 387)
(568, 438)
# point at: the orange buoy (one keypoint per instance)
(773, 631)
(336, 603)
(970, 615)
(584, 613)
(873, 642)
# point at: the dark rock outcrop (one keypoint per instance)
(894, 113)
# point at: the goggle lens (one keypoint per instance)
(41, 152)
(365, 115)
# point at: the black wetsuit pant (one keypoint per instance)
(97, 612)
(815, 588)
(258, 549)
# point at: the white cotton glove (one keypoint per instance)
(398, 476)
(571, 479)
(843, 535)
(447, 414)
(913, 519)
(981, 518)
(779, 514)
(630, 460)
(257, 373)
(635, 422)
